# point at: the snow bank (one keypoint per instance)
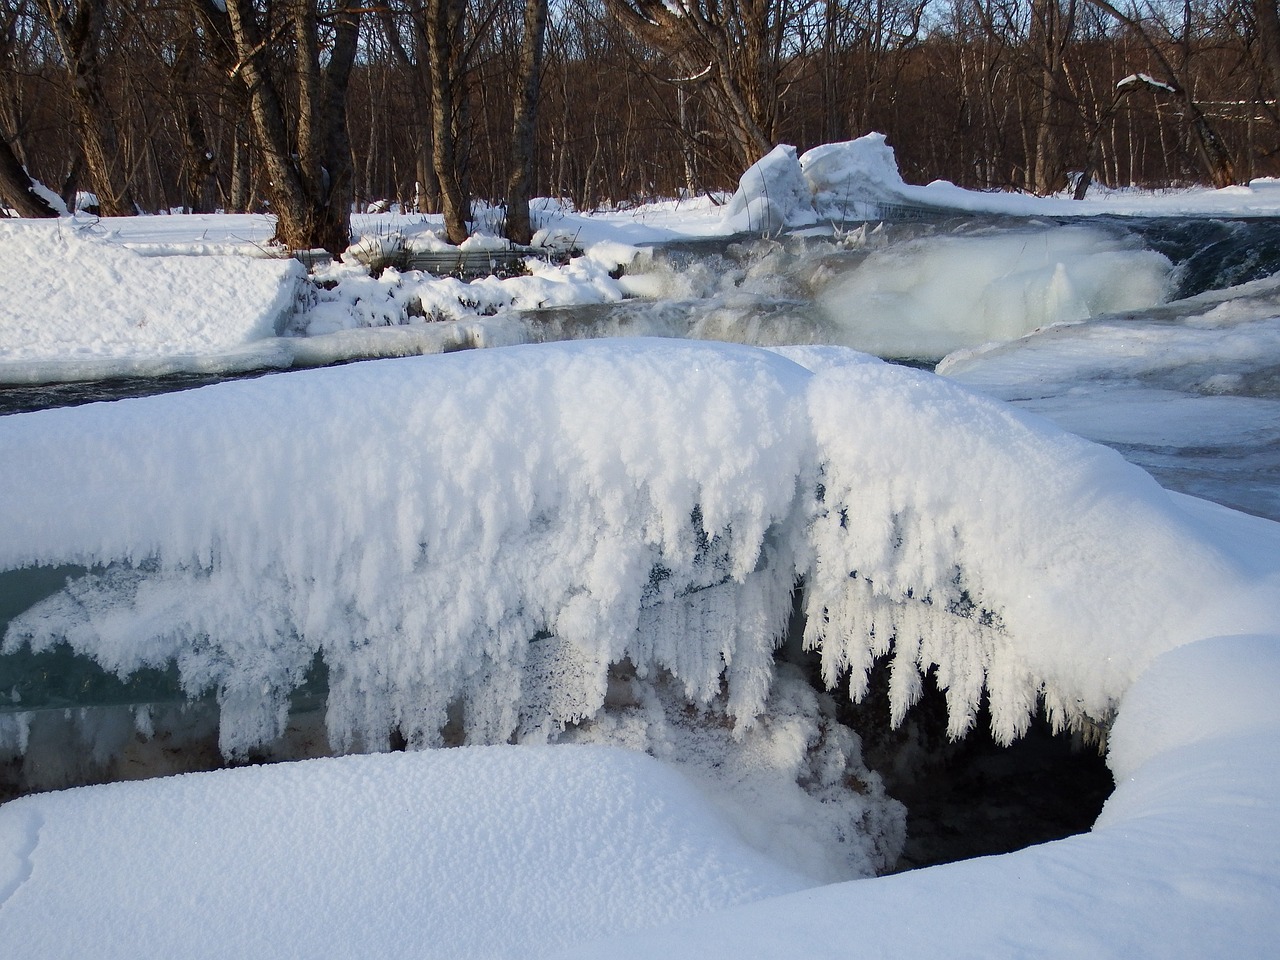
(771, 195)
(1186, 390)
(859, 180)
(929, 297)
(476, 529)
(1181, 864)
(844, 178)
(70, 298)
(472, 853)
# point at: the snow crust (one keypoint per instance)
(859, 179)
(1181, 864)
(69, 298)
(477, 852)
(479, 529)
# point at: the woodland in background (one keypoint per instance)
(308, 107)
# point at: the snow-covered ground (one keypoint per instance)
(172, 308)
(642, 509)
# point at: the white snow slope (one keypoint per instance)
(72, 301)
(1182, 863)
(418, 521)
(476, 852)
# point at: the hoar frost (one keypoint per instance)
(486, 535)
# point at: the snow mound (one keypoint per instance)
(794, 785)
(69, 297)
(476, 529)
(851, 180)
(471, 853)
(845, 177)
(1181, 864)
(771, 195)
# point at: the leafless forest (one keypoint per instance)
(306, 107)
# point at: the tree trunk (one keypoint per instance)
(524, 125)
(310, 179)
(77, 28)
(200, 165)
(444, 23)
(1267, 22)
(16, 187)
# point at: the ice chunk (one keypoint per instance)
(849, 180)
(771, 195)
(929, 297)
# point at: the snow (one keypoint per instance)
(594, 545)
(71, 301)
(186, 301)
(673, 544)
(476, 852)
(1147, 80)
(1186, 390)
(1182, 862)
(840, 175)
(771, 195)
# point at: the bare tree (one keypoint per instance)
(736, 48)
(307, 162)
(16, 187)
(79, 28)
(1213, 154)
(519, 227)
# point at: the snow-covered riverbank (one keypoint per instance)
(596, 543)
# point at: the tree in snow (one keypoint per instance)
(16, 188)
(297, 109)
(736, 52)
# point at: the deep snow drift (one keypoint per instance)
(480, 852)
(478, 527)
(73, 302)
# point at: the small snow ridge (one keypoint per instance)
(19, 837)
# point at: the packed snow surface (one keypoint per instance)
(477, 852)
(69, 298)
